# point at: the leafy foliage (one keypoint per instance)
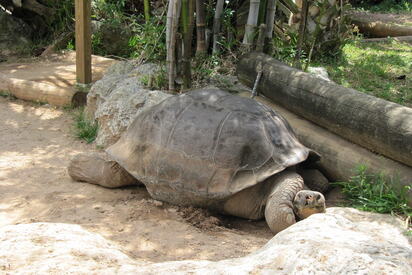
(285, 50)
(157, 81)
(63, 19)
(148, 42)
(206, 68)
(371, 192)
(109, 10)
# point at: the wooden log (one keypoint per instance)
(36, 91)
(339, 157)
(377, 25)
(381, 126)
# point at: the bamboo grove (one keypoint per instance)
(318, 23)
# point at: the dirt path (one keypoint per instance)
(36, 145)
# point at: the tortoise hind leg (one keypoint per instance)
(98, 168)
(248, 203)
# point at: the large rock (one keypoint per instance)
(341, 241)
(116, 99)
(15, 35)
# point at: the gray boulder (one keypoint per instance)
(15, 35)
(319, 72)
(118, 97)
(341, 241)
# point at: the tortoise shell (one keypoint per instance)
(207, 143)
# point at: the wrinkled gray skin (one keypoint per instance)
(215, 150)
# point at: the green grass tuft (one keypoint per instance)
(6, 94)
(84, 128)
(371, 192)
(379, 69)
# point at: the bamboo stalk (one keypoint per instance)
(172, 23)
(270, 24)
(302, 31)
(262, 12)
(200, 27)
(284, 9)
(187, 29)
(251, 23)
(291, 5)
(270, 18)
(260, 43)
(216, 24)
(169, 19)
(146, 10)
(192, 7)
(316, 34)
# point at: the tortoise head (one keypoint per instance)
(307, 202)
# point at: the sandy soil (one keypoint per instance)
(36, 144)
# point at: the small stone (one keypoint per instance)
(172, 210)
(157, 203)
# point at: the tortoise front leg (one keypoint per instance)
(100, 169)
(279, 212)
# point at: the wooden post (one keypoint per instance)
(83, 41)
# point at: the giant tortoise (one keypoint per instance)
(211, 149)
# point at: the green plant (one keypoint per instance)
(70, 45)
(63, 17)
(228, 41)
(6, 94)
(97, 45)
(206, 67)
(156, 81)
(110, 11)
(148, 42)
(285, 50)
(83, 127)
(371, 192)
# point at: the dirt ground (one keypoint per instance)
(36, 144)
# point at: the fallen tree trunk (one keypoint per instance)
(30, 5)
(339, 156)
(36, 91)
(381, 126)
(380, 25)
